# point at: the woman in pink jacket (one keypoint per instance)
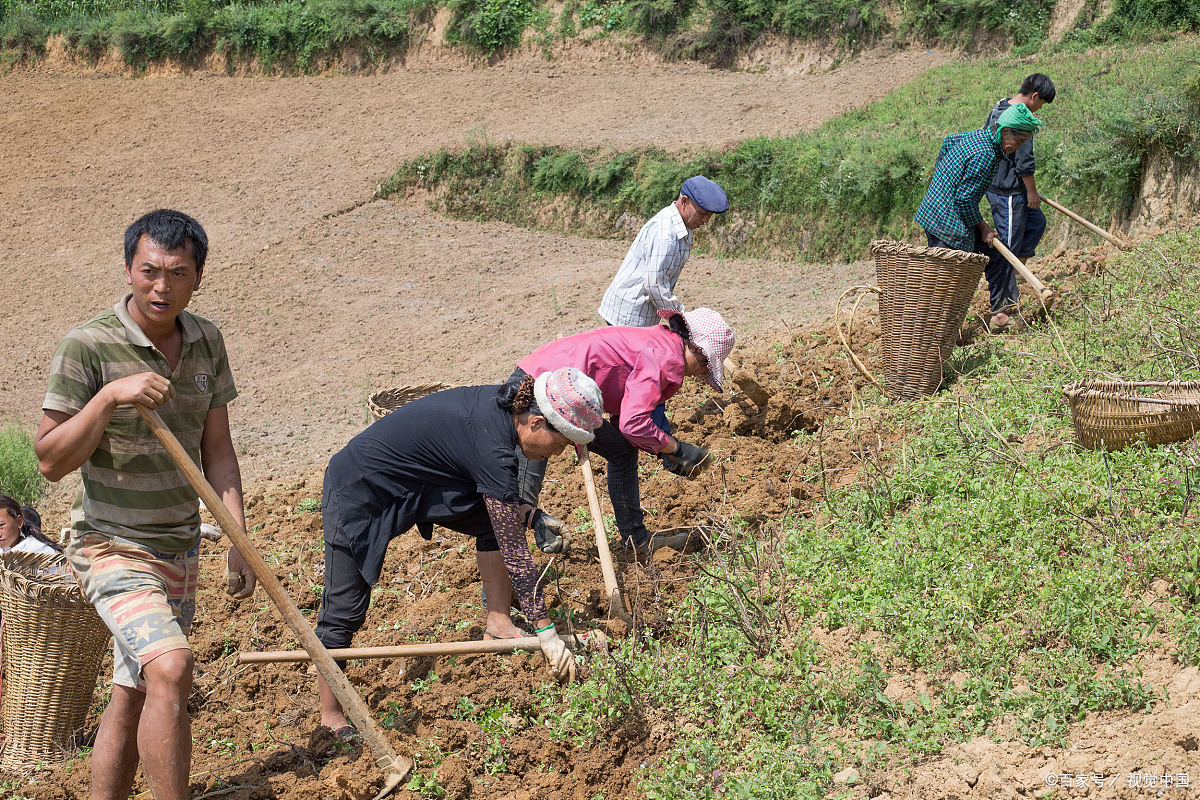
(636, 370)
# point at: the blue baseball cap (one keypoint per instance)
(706, 194)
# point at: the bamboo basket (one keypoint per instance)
(386, 401)
(923, 299)
(54, 643)
(1115, 414)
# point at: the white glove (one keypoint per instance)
(562, 662)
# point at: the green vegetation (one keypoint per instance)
(302, 35)
(291, 35)
(859, 176)
(19, 476)
(985, 576)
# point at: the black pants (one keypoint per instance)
(1001, 277)
(347, 594)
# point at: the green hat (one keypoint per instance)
(1019, 118)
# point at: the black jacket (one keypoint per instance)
(1012, 167)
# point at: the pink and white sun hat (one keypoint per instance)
(714, 337)
(571, 402)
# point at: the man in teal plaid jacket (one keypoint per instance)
(949, 212)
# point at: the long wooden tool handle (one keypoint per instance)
(408, 650)
(1096, 229)
(385, 757)
(616, 605)
(1021, 269)
(1045, 296)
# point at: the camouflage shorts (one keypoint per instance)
(145, 597)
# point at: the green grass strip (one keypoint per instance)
(860, 176)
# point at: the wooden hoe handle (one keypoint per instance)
(386, 758)
(1046, 296)
(616, 606)
(591, 640)
(1103, 234)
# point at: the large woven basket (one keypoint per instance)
(923, 300)
(1115, 414)
(54, 642)
(384, 402)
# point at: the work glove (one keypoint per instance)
(688, 460)
(550, 535)
(562, 662)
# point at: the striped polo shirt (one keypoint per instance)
(131, 487)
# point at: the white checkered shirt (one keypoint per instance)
(645, 283)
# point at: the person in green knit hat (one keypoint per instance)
(949, 212)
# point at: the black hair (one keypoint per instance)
(678, 324)
(1037, 82)
(31, 521)
(516, 395)
(11, 506)
(168, 229)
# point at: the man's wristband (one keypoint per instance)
(547, 628)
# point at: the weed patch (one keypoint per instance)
(19, 476)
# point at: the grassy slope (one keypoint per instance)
(858, 177)
(986, 543)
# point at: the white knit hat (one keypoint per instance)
(571, 402)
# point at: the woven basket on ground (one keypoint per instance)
(54, 642)
(1116, 414)
(386, 401)
(923, 299)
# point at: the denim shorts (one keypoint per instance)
(146, 598)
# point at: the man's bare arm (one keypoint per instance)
(64, 442)
(219, 461)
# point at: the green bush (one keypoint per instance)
(488, 25)
(22, 37)
(560, 172)
(278, 33)
(19, 476)
(1143, 19)
(658, 18)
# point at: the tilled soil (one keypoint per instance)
(257, 728)
(324, 297)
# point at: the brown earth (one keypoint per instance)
(324, 297)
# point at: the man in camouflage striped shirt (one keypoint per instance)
(134, 546)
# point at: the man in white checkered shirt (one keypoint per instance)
(645, 283)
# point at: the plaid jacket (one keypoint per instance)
(645, 283)
(965, 166)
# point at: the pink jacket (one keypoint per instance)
(636, 369)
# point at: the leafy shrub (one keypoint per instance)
(560, 172)
(658, 18)
(851, 22)
(19, 476)
(1142, 19)
(22, 36)
(488, 25)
